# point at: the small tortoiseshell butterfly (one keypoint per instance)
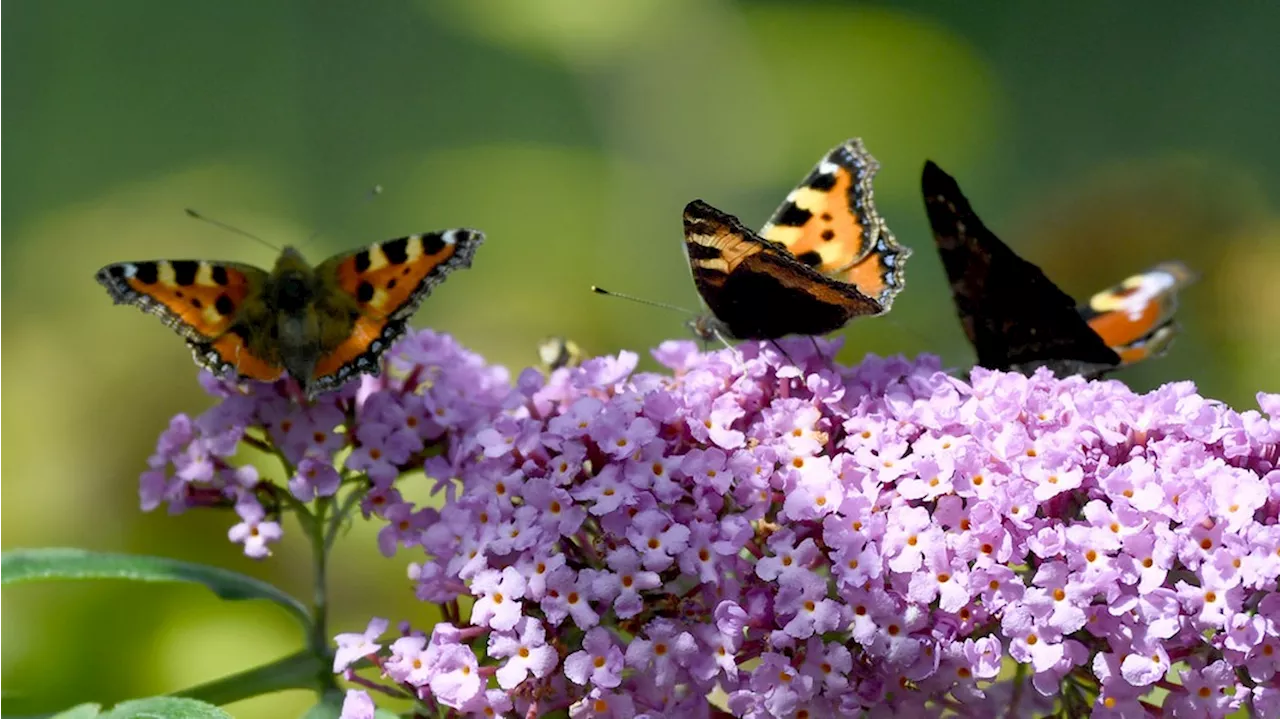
(824, 257)
(1017, 319)
(322, 325)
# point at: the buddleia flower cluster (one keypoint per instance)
(762, 532)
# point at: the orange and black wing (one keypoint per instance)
(202, 301)
(1014, 316)
(387, 281)
(1135, 317)
(830, 223)
(755, 288)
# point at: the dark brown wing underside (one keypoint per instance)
(767, 297)
(1012, 313)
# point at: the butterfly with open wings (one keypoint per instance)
(323, 325)
(1016, 318)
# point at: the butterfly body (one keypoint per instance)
(323, 324)
(824, 257)
(1017, 319)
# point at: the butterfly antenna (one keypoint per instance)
(651, 303)
(368, 197)
(229, 228)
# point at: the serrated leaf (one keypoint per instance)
(82, 711)
(165, 708)
(28, 565)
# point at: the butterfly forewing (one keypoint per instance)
(197, 298)
(830, 222)
(756, 288)
(1011, 312)
(388, 282)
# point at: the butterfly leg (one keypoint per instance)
(728, 345)
(784, 354)
(818, 350)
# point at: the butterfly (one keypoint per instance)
(557, 352)
(323, 325)
(823, 258)
(1018, 319)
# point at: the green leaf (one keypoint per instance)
(26, 565)
(165, 708)
(83, 711)
(302, 670)
(329, 708)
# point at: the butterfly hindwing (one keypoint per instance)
(1135, 317)
(230, 355)
(387, 282)
(830, 222)
(756, 288)
(357, 353)
(1011, 312)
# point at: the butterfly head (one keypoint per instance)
(292, 287)
(708, 329)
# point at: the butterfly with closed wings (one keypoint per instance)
(1017, 319)
(323, 325)
(823, 258)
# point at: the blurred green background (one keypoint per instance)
(1096, 138)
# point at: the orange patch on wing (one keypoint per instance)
(1117, 328)
(832, 231)
(234, 352)
(868, 276)
(386, 285)
(1137, 353)
(199, 305)
(366, 331)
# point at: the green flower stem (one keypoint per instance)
(348, 502)
(314, 525)
(1019, 684)
(320, 599)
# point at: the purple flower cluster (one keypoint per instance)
(363, 437)
(808, 539)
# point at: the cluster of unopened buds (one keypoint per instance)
(762, 532)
